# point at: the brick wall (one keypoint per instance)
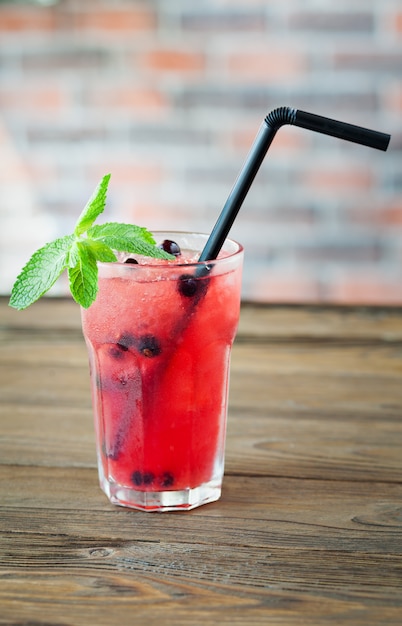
(168, 96)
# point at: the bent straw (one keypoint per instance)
(272, 123)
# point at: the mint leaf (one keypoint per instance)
(84, 276)
(128, 238)
(93, 208)
(73, 253)
(41, 272)
(116, 229)
(80, 252)
(99, 250)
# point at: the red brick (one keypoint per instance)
(25, 18)
(393, 97)
(391, 215)
(131, 173)
(34, 97)
(117, 20)
(156, 216)
(287, 140)
(139, 99)
(387, 216)
(339, 179)
(398, 22)
(274, 65)
(174, 61)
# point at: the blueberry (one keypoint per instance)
(188, 286)
(117, 350)
(167, 479)
(121, 346)
(125, 341)
(140, 478)
(149, 346)
(148, 478)
(136, 477)
(171, 247)
(131, 260)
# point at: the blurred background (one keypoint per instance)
(168, 95)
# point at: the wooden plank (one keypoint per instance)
(270, 321)
(351, 378)
(266, 358)
(327, 444)
(133, 577)
(66, 597)
(65, 386)
(282, 512)
(285, 322)
(315, 358)
(334, 447)
(48, 435)
(46, 314)
(45, 384)
(294, 410)
(315, 551)
(262, 362)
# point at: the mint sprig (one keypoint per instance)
(41, 272)
(79, 253)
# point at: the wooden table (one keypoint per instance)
(309, 526)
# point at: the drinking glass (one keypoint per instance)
(159, 337)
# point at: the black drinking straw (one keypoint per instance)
(277, 118)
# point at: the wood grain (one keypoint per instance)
(309, 526)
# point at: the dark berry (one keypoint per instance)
(136, 477)
(117, 350)
(148, 478)
(131, 260)
(149, 346)
(188, 286)
(121, 346)
(171, 247)
(125, 341)
(167, 479)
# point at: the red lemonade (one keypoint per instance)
(159, 336)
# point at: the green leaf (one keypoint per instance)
(80, 252)
(117, 229)
(100, 250)
(41, 272)
(84, 276)
(93, 208)
(136, 246)
(73, 253)
(128, 238)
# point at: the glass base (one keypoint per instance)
(160, 501)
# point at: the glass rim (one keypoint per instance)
(174, 265)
